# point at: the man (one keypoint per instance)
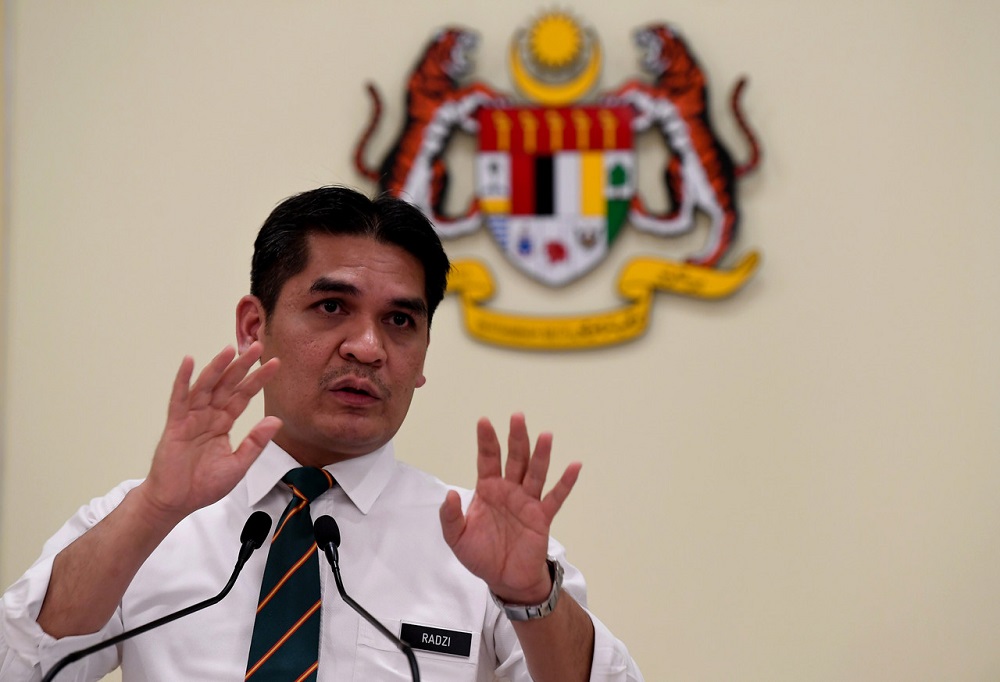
(343, 290)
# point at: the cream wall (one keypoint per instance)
(797, 483)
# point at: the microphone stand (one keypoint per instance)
(258, 532)
(328, 537)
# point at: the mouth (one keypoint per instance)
(461, 55)
(650, 48)
(355, 391)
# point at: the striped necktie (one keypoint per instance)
(285, 643)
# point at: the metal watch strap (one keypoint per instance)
(523, 612)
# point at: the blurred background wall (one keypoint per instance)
(797, 483)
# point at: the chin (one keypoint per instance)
(355, 440)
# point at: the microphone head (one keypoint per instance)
(327, 531)
(256, 528)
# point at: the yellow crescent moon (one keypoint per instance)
(555, 95)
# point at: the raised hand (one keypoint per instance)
(194, 464)
(504, 535)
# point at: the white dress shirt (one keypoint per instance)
(393, 560)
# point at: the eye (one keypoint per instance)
(401, 320)
(330, 306)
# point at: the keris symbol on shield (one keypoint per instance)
(556, 175)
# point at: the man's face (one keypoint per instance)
(351, 332)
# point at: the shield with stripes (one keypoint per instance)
(555, 184)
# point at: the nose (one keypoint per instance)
(363, 343)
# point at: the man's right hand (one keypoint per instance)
(194, 464)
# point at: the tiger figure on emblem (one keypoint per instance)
(436, 106)
(700, 173)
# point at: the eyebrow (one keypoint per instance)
(325, 285)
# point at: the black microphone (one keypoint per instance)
(254, 534)
(328, 539)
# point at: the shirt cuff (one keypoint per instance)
(30, 648)
(24, 646)
(612, 662)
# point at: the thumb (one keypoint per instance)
(452, 518)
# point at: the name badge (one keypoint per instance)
(452, 642)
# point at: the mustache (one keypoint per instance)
(358, 371)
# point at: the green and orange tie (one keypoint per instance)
(285, 643)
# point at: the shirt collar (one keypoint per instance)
(361, 478)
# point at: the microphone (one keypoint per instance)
(254, 534)
(328, 539)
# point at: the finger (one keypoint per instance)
(488, 461)
(538, 468)
(234, 374)
(250, 387)
(201, 392)
(518, 449)
(178, 404)
(256, 440)
(452, 519)
(554, 500)
(255, 380)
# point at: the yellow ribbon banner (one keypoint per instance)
(639, 280)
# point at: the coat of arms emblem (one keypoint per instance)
(555, 176)
(554, 184)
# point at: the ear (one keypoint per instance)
(249, 322)
(421, 380)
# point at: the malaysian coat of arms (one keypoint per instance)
(555, 177)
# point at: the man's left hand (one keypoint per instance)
(504, 535)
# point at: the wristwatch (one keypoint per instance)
(523, 612)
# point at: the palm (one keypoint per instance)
(194, 464)
(504, 534)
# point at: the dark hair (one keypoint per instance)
(281, 250)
